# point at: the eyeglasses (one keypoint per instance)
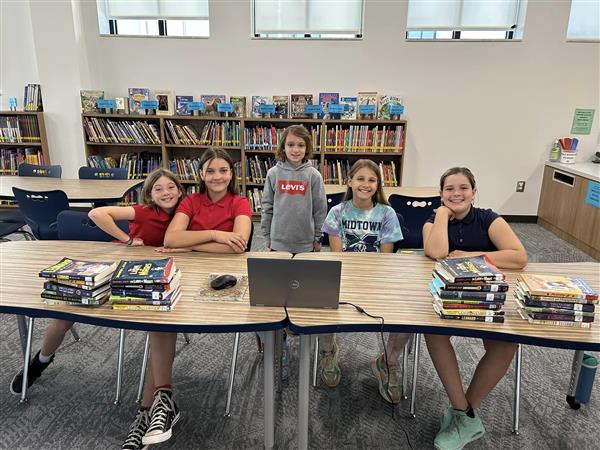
(221, 171)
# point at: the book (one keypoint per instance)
(557, 286)
(89, 100)
(238, 104)
(136, 300)
(442, 309)
(122, 106)
(72, 291)
(144, 271)
(152, 293)
(298, 102)
(282, 106)
(493, 319)
(562, 323)
(210, 103)
(146, 307)
(165, 103)
(258, 100)
(136, 95)
(476, 286)
(364, 99)
(349, 107)
(90, 272)
(385, 102)
(181, 105)
(53, 295)
(57, 302)
(566, 306)
(437, 286)
(325, 98)
(543, 310)
(473, 268)
(233, 294)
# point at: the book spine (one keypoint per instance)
(67, 290)
(560, 305)
(130, 307)
(561, 317)
(489, 296)
(494, 319)
(89, 281)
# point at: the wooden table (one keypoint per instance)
(394, 286)
(413, 191)
(78, 191)
(20, 289)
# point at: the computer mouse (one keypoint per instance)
(223, 282)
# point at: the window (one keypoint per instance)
(584, 21)
(307, 19)
(465, 19)
(163, 18)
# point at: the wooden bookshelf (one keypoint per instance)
(38, 141)
(358, 143)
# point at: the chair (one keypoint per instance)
(415, 211)
(41, 210)
(332, 200)
(11, 222)
(33, 170)
(95, 173)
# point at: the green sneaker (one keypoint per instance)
(446, 418)
(329, 367)
(461, 430)
(389, 386)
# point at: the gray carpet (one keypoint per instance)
(71, 407)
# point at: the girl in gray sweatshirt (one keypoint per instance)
(294, 204)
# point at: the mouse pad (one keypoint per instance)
(233, 294)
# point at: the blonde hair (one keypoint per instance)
(153, 177)
(379, 196)
(456, 170)
(218, 153)
(298, 131)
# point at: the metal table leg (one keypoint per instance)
(26, 359)
(268, 358)
(413, 393)
(120, 366)
(236, 343)
(303, 383)
(140, 392)
(517, 393)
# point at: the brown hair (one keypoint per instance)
(455, 170)
(153, 177)
(379, 196)
(218, 153)
(298, 131)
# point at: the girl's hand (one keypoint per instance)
(316, 246)
(137, 242)
(458, 254)
(445, 210)
(172, 250)
(234, 240)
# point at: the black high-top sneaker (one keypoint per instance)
(35, 370)
(163, 415)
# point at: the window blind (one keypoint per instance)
(157, 9)
(584, 20)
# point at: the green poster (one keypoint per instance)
(582, 121)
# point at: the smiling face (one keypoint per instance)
(295, 149)
(363, 184)
(216, 174)
(165, 194)
(457, 194)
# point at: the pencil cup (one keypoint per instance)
(586, 378)
(568, 156)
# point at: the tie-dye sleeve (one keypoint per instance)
(332, 222)
(390, 229)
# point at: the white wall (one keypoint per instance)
(495, 107)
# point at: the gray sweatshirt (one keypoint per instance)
(294, 207)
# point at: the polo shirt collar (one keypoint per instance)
(206, 201)
(469, 218)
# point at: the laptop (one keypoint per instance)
(298, 283)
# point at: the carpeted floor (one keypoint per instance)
(71, 406)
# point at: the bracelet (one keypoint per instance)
(129, 241)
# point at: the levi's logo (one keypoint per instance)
(292, 187)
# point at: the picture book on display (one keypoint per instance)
(385, 104)
(136, 96)
(325, 98)
(349, 104)
(89, 100)
(122, 105)
(282, 106)
(210, 103)
(364, 99)
(144, 271)
(89, 272)
(181, 105)
(299, 101)
(165, 103)
(465, 270)
(258, 100)
(238, 103)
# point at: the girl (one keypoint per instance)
(215, 220)
(294, 204)
(458, 229)
(148, 223)
(364, 202)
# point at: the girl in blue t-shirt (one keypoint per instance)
(364, 222)
(458, 229)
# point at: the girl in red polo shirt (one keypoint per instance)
(216, 220)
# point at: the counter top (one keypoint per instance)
(588, 170)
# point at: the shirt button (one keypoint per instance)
(460, 240)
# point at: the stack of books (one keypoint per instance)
(555, 300)
(148, 285)
(75, 282)
(468, 289)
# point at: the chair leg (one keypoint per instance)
(413, 393)
(143, 370)
(22, 326)
(187, 338)
(236, 343)
(315, 361)
(517, 392)
(404, 371)
(411, 341)
(279, 358)
(26, 360)
(259, 344)
(75, 334)
(120, 366)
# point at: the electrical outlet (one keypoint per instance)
(520, 186)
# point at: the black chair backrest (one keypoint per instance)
(249, 243)
(33, 170)
(332, 200)
(41, 210)
(77, 226)
(95, 173)
(415, 211)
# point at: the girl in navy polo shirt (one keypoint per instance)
(459, 229)
(216, 220)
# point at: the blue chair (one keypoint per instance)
(41, 210)
(332, 200)
(415, 211)
(95, 173)
(33, 170)
(77, 226)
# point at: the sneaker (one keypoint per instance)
(35, 370)
(329, 366)
(446, 418)
(461, 430)
(163, 415)
(137, 430)
(389, 386)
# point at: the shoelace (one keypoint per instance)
(137, 430)
(160, 408)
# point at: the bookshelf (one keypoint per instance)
(144, 143)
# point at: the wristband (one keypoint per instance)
(129, 242)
